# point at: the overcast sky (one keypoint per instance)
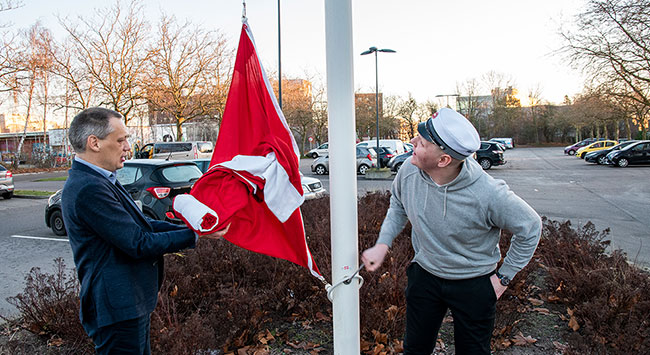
(438, 43)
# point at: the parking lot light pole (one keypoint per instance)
(369, 51)
(447, 96)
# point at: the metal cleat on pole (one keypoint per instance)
(346, 281)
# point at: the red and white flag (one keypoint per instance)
(253, 183)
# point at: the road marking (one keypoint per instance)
(38, 238)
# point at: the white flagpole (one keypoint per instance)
(343, 178)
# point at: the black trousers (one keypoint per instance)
(126, 337)
(472, 303)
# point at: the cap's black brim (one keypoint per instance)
(422, 129)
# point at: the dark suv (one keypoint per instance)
(489, 155)
(153, 183)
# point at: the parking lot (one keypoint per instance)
(563, 187)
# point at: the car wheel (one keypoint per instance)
(571, 152)
(363, 168)
(399, 165)
(602, 160)
(314, 155)
(485, 163)
(623, 162)
(320, 170)
(8, 195)
(56, 223)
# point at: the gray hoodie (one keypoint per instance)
(456, 226)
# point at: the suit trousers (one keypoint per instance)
(473, 307)
(125, 337)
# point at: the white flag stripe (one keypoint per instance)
(38, 238)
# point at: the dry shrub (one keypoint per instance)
(609, 297)
(49, 305)
(221, 297)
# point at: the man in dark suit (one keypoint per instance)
(117, 250)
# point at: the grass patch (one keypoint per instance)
(60, 178)
(32, 193)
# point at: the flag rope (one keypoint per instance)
(346, 281)
(243, 11)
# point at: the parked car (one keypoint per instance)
(408, 147)
(635, 153)
(366, 159)
(321, 151)
(600, 156)
(508, 143)
(573, 148)
(600, 145)
(152, 183)
(53, 217)
(395, 145)
(396, 162)
(175, 150)
(311, 187)
(489, 155)
(385, 155)
(6, 183)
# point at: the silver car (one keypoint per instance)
(312, 187)
(6, 183)
(366, 159)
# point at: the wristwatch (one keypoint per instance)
(503, 279)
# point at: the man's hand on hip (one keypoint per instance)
(499, 289)
(373, 257)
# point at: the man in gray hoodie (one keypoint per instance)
(457, 212)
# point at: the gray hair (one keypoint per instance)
(92, 121)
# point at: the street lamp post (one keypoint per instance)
(369, 51)
(447, 96)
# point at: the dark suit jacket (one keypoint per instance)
(118, 252)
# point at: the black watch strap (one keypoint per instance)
(503, 279)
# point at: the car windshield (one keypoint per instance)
(181, 173)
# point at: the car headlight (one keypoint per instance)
(305, 188)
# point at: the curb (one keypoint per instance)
(32, 197)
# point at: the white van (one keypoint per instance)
(176, 150)
(395, 145)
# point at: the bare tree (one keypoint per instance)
(6, 5)
(612, 45)
(9, 68)
(408, 112)
(469, 104)
(68, 64)
(188, 74)
(32, 62)
(112, 51)
(535, 101)
(319, 109)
